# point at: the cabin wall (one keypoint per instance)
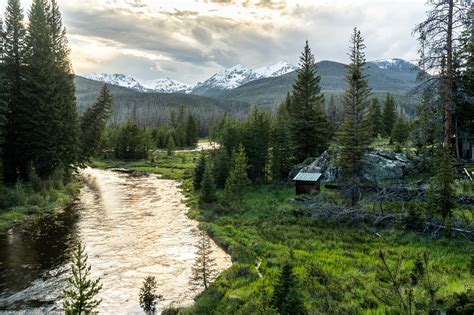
(303, 187)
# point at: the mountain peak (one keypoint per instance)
(393, 64)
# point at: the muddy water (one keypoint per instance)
(131, 226)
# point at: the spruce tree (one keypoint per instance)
(81, 297)
(204, 268)
(400, 131)
(130, 144)
(199, 171)
(281, 153)
(238, 182)
(308, 124)
(389, 114)
(354, 136)
(68, 139)
(208, 186)
(171, 146)
(334, 115)
(256, 132)
(375, 117)
(192, 131)
(14, 49)
(441, 194)
(93, 124)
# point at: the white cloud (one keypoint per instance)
(189, 40)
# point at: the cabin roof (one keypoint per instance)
(307, 177)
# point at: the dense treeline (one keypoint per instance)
(41, 132)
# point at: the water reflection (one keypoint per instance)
(132, 226)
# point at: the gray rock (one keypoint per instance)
(379, 164)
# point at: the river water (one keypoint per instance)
(132, 226)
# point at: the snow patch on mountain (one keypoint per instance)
(280, 68)
(166, 85)
(116, 79)
(393, 64)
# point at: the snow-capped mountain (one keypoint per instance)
(238, 75)
(167, 85)
(393, 64)
(280, 68)
(116, 79)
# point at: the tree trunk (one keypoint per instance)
(449, 80)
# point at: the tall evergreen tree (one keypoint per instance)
(308, 124)
(93, 124)
(14, 49)
(333, 114)
(68, 139)
(389, 114)
(192, 136)
(281, 153)
(441, 194)
(199, 171)
(208, 186)
(375, 117)
(238, 182)
(354, 136)
(256, 141)
(130, 142)
(400, 131)
(148, 297)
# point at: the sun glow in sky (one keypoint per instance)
(189, 40)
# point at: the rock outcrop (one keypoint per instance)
(379, 164)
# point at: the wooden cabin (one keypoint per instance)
(307, 183)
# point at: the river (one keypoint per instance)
(131, 225)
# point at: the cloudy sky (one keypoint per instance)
(189, 40)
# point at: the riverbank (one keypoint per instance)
(25, 202)
(336, 264)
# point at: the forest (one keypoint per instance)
(390, 229)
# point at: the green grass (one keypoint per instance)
(336, 264)
(22, 202)
(178, 166)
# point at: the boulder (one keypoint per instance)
(379, 164)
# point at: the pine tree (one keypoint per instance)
(238, 182)
(256, 141)
(171, 146)
(130, 143)
(441, 194)
(199, 171)
(308, 124)
(14, 49)
(281, 157)
(286, 297)
(208, 186)
(81, 298)
(192, 136)
(333, 114)
(354, 136)
(204, 268)
(400, 131)
(148, 297)
(389, 114)
(93, 124)
(68, 139)
(375, 117)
